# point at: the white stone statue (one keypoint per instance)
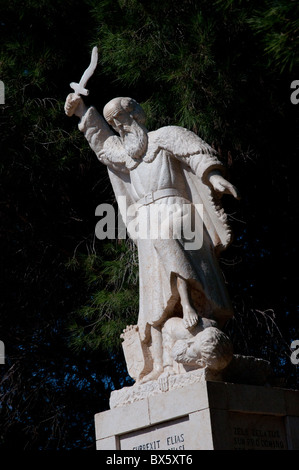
(185, 350)
(167, 168)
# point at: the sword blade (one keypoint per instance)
(79, 88)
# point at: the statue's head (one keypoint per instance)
(210, 348)
(126, 107)
(127, 117)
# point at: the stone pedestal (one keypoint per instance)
(204, 416)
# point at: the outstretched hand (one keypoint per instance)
(221, 185)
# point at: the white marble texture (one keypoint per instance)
(173, 171)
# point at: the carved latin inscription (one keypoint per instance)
(257, 432)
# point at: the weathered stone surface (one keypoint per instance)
(138, 392)
(204, 416)
(242, 370)
(168, 184)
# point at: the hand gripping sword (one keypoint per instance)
(79, 88)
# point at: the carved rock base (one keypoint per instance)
(242, 369)
(137, 392)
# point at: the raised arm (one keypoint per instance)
(99, 135)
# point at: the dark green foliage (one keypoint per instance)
(112, 279)
(277, 26)
(48, 393)
(221, 68)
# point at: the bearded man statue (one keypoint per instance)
(170, 169)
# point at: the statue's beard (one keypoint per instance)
(134, 139)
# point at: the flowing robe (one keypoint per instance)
(176, 158)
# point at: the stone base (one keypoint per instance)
(204, 416)
(127, 395)
(242, 369)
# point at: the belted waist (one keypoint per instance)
(155, 195)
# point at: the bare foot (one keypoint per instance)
(190, 317)
(153, 375)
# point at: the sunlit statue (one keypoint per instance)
(174, 172)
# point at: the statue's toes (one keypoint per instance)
(190, 320)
